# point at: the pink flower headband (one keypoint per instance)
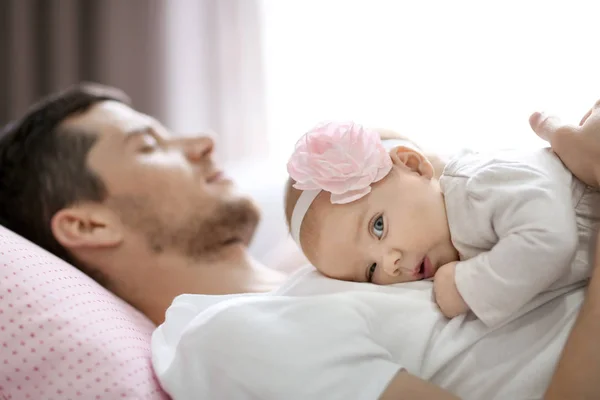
(342, 158)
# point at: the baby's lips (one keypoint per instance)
(417, 268)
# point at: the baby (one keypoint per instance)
(495, 230)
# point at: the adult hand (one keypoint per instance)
(576, 375)
(577, 146)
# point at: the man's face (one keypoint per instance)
(163, 186)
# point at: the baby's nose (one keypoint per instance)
(391, 263)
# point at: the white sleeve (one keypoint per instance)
(275, 348)
(532, 215)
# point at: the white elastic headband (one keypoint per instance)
(308, 196)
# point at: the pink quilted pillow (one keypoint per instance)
(63, 336)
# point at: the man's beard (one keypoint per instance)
(199, 235)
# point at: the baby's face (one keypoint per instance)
(397, 233)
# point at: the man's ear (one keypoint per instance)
(86, 226)
(412, 159)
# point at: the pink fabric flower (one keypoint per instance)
(342, 158)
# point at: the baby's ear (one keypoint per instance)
(412, 159)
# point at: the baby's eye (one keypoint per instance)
(370, 272)
(378, 227)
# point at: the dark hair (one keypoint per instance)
(43, 166)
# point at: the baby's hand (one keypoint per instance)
(446, 294)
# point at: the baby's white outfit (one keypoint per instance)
(522, 224)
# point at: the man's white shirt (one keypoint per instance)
(318, 338)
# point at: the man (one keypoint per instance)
(150, 216)
(116, 194)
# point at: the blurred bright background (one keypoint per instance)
(259, 73)
(448, 73)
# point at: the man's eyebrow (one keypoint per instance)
(144, 130)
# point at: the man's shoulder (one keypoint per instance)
(305, 286)
(307, 281)
(306, 295)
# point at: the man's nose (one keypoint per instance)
(391, 262)
(198, 147)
